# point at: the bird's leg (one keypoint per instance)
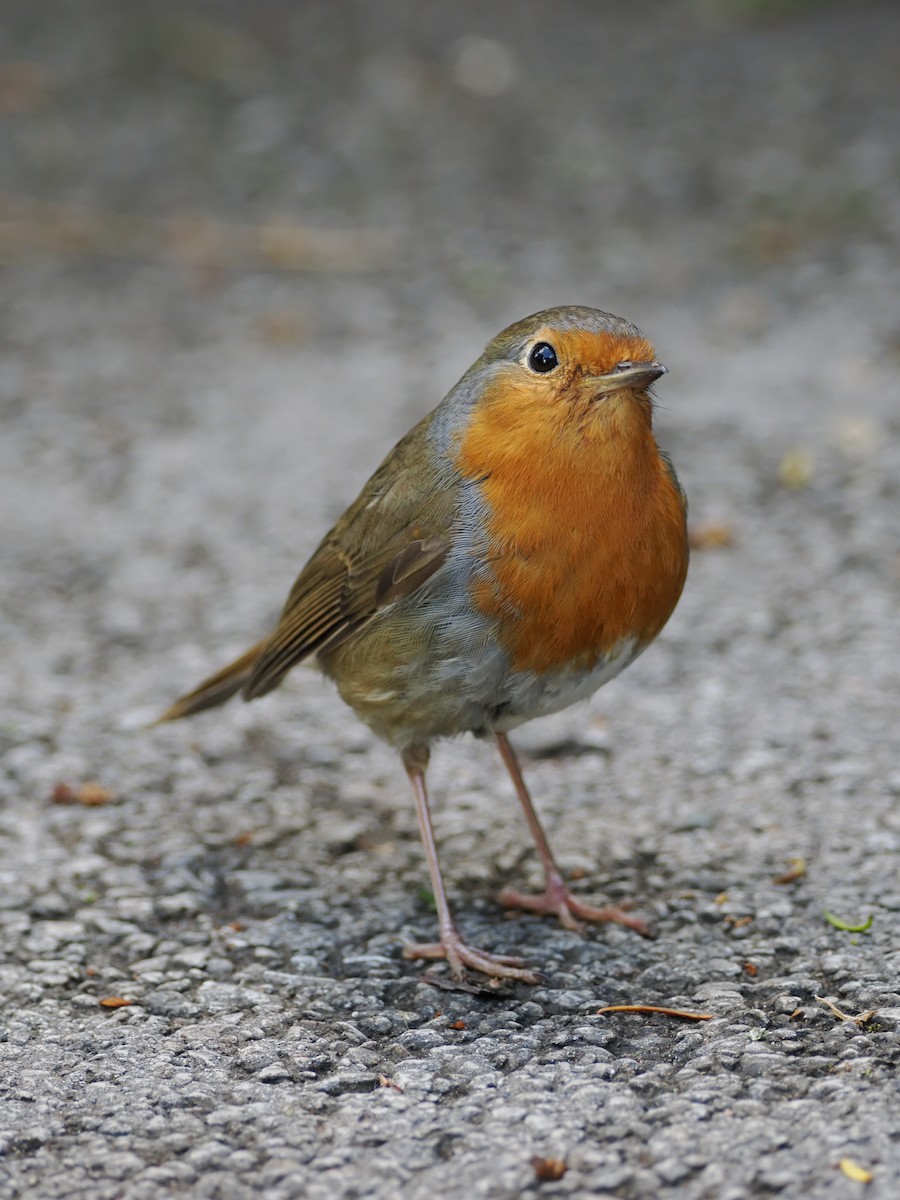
(451, 945)
(556, 899)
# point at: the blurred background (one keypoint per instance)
(341, 170)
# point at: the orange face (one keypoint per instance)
(582, 355)
(569, 378)
(585, 524)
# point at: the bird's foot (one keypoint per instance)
(556, 900)
(459, 955)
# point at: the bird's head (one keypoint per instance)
(579, 362)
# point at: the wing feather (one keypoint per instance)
(386, 546)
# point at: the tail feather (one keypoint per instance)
(217, 689)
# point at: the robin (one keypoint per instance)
(517, 549)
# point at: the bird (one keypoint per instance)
(515, 551)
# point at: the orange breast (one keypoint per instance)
(586, 528)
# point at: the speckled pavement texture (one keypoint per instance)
(179, 425)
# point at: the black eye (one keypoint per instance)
(542, 358)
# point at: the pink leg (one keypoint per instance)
(556, 899)
(451, 945)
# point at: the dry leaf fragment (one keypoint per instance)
(854, 1171)
(737, 922)
(859, 1020)
(796, 468)
(796, 870)
(684, 1014)
(711, 535)
(91, 795)
(549, 1170)
(114, 1002)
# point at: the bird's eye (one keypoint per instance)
(542, 358)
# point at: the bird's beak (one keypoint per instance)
(628, 375)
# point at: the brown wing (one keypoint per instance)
(388, 543)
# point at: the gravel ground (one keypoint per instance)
(172, 449)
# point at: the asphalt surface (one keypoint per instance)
(192, 387)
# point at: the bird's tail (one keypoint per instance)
(217, 689)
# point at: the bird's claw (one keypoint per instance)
(556, 900)
(459, 955)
